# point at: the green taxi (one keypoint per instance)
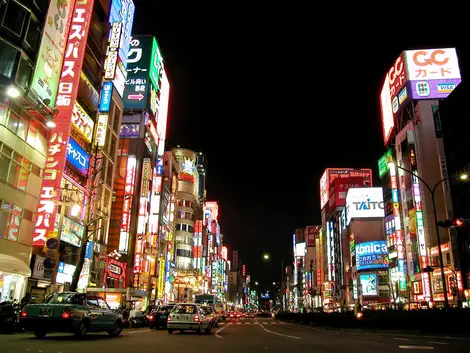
(78, 313)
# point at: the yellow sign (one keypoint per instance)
(161, 278)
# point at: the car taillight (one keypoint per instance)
(196, 318)
(212, 316)
(150, 317)
(169, 318)
(23, 314)
(66, 313)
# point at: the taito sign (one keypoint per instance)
(59, 138)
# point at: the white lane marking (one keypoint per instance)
(238, 323)
(220, 329)
(417, 347)
(432, 342)
(138, 331)
(401, 339)
(277, 333)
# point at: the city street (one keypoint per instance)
(236, 336)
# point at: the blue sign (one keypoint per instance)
(89, 250)
(123, 11)
(77, 157)
(372, 255)
(106, 96)
(61, 267)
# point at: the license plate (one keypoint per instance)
(44, 312)
(8, 319)
(162, 316)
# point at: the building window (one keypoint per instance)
(4, 164)
(14, 17)
(25, 70)
(33, 33)
(7, 59)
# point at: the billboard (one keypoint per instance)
(433, 73)
(140, 67)
(383, 163)
(331, 174)
(371, 255)
(77, 157)
(417, 74)
(51, 52)
(368, 284)
(311, 235)
(122, 12)
(339, 189)
(60, 134)
(364, 203)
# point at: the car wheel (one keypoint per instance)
(40, 334)
(82, 330)
(117, 331)
(170, 331)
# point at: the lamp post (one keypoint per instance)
(266, 256)
(432, 190)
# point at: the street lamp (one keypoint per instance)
(266, 256)
(432, 190)
(256, 283)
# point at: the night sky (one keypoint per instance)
(274, 96)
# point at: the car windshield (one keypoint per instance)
(164, 309)
(64, 298)
(185, 309)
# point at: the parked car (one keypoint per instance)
(158, 317)
(188, 316)
(77, 313)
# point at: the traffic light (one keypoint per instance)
(459, 222)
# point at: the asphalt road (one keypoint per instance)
(235, 336)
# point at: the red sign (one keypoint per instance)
(66, 97)
(339, 189)
(116, 270)
(311, 234)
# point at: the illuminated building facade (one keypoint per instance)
(334, 185)
(141, 200)
(23, 143)
(74, 197)
(415, 149)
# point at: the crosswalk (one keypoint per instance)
(243, 322)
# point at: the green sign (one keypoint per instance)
(51, 52)
(383, 163)
(156, 65)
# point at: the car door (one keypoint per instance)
(109, 317)
(95, 313)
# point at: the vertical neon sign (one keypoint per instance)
(60, 134)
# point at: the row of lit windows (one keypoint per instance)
(28, 129)
(15, 169)
(183, 252)
(184, 227)
(185, 215)
(184, 203)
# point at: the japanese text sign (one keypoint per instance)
(82, 122)
(106, 97)
(138, 70)
(122, 12)
(77, 157)
(433, 73)
(67, 94)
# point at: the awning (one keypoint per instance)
(11, 264)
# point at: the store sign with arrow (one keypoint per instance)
(138, 69)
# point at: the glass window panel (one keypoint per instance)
(23, 178)
(13, 121)
(14, 17)
(7, 150)
(22, 128)
(3, 114)
(112, 147)
(4, 164)
(41, 139)
(34, 32)
(32, 132)
(7, 59)
(14, 173)
(117, 118)
(3, 224)
(25, 70)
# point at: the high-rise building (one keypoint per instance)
(24, 136)
(141, 223)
